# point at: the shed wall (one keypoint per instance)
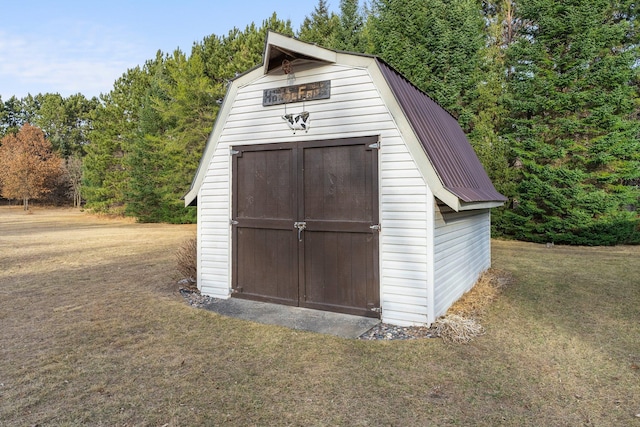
(462, 251)
(354, 109)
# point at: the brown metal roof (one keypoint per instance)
(443, 140)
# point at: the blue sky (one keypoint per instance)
(70, 46)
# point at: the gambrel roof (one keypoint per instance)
(444, 142)
(434, 138)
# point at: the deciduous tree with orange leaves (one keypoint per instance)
(28, 165)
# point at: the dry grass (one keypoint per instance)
(475, 302)
(461, 324)
(457, 329)
(94, 333)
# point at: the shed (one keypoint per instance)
(330, 182)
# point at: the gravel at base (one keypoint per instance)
(381, 331)
(195, 299)
(384, 331)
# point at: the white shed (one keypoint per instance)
(329, 181)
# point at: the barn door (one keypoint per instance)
(265, 261)
(304, 218)
(340, 252)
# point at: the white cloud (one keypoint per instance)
(77, 58)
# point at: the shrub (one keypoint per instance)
(186, 259)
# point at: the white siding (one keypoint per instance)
(462, 251)
(354, 109)
(403, 258)
(213, 228)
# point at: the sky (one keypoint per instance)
(71, 46)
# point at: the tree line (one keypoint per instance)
(547, 92)
(42, 144)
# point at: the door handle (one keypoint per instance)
(300, 225)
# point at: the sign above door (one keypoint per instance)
(297, 93)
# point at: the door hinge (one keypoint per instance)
(233, 222)
(376, 310)
(375, 227)
(375, 146)
(233, 152)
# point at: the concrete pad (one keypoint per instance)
(305, 319)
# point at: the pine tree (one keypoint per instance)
(321, 27)
(13, 115)
(573, 88)
(144, 160)
(349, 35)
(150, 130)
(65, 121)
(436, 44)
(3, 118)
(488, 105)
(115, 122)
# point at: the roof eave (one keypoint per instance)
(469, 206)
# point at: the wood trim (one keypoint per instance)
(271, 224)
(262, 298)
(341, 309)
(340, 226)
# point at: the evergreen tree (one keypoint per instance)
(3, 118)
(13, 116)
(573, 85)
(51, 119)
(115, 122)
(436, 44)
(174, 121)
(150, 131)
(225, 57)
(66, 121)
(321, 27)
(188, 114)
(144, 161)
(349, 35)
(488, 105)
(144, 190)
(79, 112)
(30, 107)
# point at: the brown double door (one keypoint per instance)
(304, 224)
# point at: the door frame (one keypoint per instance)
(297, 175)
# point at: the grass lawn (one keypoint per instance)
(93, 332)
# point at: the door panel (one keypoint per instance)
(265, 264)
(340, 272)
(336, 184)
(330, 186)
(340, 248)
(265, 186)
